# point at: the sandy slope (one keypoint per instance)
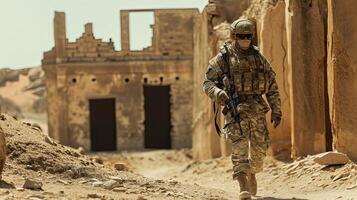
(67, 174)
(14, 91)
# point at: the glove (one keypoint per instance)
(222, 97)
(275, 118)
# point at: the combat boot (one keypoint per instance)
(244, 188)
(252, 181)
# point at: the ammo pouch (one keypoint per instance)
(251, 82)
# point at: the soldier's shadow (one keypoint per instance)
(273, 198)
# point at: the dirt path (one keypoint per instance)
(279, 181)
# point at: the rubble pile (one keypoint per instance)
(328, 170)
(29, 147)
(37, 166)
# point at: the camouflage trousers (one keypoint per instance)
(249, 144)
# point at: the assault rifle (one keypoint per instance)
(233, 101)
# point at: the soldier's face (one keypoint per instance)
(244, 40)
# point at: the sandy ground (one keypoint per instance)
(302, 179)
(66, 173)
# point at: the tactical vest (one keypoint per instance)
(250, 74)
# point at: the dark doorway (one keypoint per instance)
(102, 124)
(157, 117)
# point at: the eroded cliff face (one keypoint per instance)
(307, 61)
(312, 56)
(342, 65)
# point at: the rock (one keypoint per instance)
(83, 182)
(97, 159)
(120, 166)
(97, 184)
(117, 179)
(110, 184)
(63, 182)
(36, 127)
(27, 123)
(81, 150)
(331, 158)
(343, 176)
(173, 182)
(352, 187)
(32, 185)
(119, 189)
(93, 180)
(35, 197)
(94, 196)
(49, 140)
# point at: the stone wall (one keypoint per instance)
(90, 68)
(209, 35)
(342, 50)
(292, 35)
(205, 142)
(307, 61)
(271, 35)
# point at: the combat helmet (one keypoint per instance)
(241, 26)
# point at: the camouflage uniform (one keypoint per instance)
(253, 76)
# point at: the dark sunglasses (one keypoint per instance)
(244, 36)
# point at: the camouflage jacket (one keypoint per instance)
(253, 76)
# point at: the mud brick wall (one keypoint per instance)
(169, 27)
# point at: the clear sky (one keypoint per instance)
(26, 26)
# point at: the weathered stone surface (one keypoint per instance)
(342, 64)
(110, 184)
(306, 61)
(271, 34)
(97, 184)
(331, 158)
(32, 184)
(94, 196)
(205, 142)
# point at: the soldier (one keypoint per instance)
(237, 78)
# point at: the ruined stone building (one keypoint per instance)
(103, 99)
